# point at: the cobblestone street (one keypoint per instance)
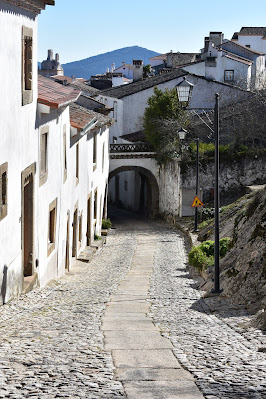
(56, 342)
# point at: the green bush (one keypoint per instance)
(203, 256)
(106, 224)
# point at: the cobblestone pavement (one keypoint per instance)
(208, 335)
(51, 345)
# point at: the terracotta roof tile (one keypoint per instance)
(81, 117)
(54, 94)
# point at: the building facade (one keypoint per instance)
(53, 162)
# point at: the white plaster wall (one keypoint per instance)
(197, 69)
(116, 129)
(119, 81)
(203, 96)
(256, 42)
(70, 192)
(128, 73)
(18, 136)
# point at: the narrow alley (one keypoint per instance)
(130, 324)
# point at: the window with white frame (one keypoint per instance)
(115, 110)
(44, 155)
(228, 75)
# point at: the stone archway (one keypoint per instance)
(153, 189)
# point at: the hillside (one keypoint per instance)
(98, 64)
(243, 269)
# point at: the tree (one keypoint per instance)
(163, 118)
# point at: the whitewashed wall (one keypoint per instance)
(19, 140)
(69, 193)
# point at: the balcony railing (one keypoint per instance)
(135, 147)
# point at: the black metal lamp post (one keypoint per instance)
(184, 91)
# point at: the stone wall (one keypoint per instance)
(235, 174)
(169, 188)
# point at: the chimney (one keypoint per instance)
(206, 44)
(216, 38)
(57, 57)
(137, 70)
(50, 55)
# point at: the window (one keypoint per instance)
(80, 228)
(95, 204)
(44, 155)
(27, 93)
(125, 185)
(64, 154)
(52, 227)
(94, 150)
(114, 140)
(77, 163)
(3, 191)
(228, 76)
(103, 153)
(115, 110)
(248, 45)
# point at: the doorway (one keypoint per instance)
(74, 243)
(27, 219)
(67, 246)
(89, 222)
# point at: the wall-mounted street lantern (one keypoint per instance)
(184, 91)
(182, 134)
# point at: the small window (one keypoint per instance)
(27, 93)
(248, 45)
(80, 228)
(3, 191)
(103, 154)
(114, 140)
(94, 151)
(64, 153)
(52, 227)
(77, 163)
(43, 155)
(228, 76)
(125, 185)
(115, 110)
(95, 205)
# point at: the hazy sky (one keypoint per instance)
(83, 28)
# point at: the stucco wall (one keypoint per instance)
(19, 141)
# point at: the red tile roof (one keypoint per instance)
(80, 118)
(54, 94)
(62, 78)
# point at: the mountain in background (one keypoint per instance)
(98, 64)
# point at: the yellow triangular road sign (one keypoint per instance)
(197, 202)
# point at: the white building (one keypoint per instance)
(230, 62)
(53, 162)
(251, 37)
(129, 102)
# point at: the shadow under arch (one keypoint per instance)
(153, 198)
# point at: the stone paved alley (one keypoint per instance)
(124, 326)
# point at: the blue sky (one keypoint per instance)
(83, 28)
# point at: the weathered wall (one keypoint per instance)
(169, 188)
(234, 174)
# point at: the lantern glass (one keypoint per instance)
(182, 134)
(184, 91)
